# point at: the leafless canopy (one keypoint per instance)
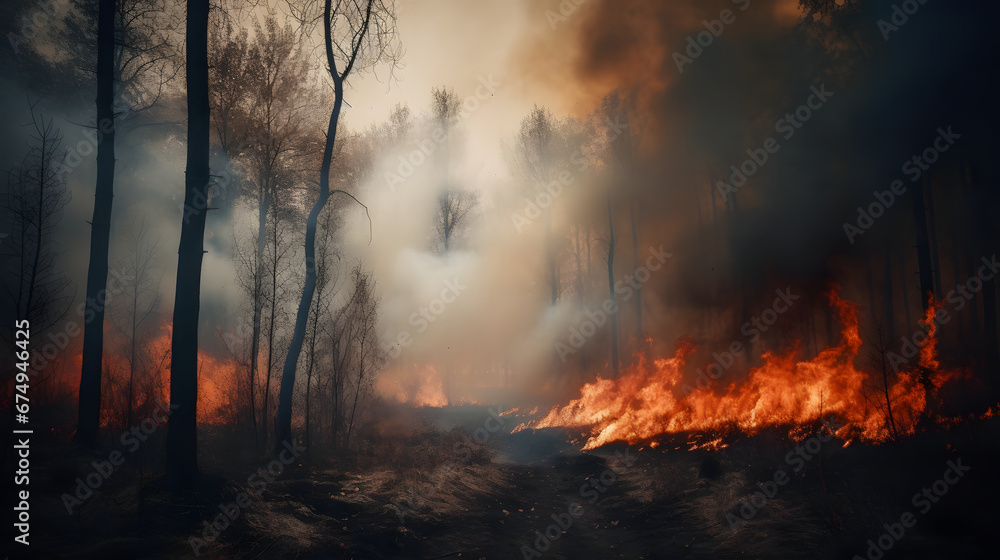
(358, 34)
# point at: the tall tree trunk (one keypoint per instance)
(550, 255)
(905, 286)
(579, 265)
(872, 309)
(357, 394)
(100, 230)
(635, 267)
(284, 420)
(264, 204)
(923, 243)
(312, 363)
(888, 310)
(613, 318)
(933, 238)
(270, 326)
(182, 434)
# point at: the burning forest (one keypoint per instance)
(528, 279)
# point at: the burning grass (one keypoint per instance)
(651, 398)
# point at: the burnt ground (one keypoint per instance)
(439, 494)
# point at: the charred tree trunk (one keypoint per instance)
(932, 237)
(270, 324)
(283, 423)
(182, 435)
(923, 244)
(613, 318)
(872, 309)
(550, 255)
(635, 266)
(100, 229)
(905, 285)
(258, 304)
(309, 371)
(887, 308)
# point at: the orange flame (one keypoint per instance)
(645, 401)
(417, 385)
(151, 381)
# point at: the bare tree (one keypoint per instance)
(139, 300)
(36, 197)
(532, 157)
(614, 148)
(454, 204)
(877, 356)
(362, 33)
(264, 100)
(452, 213)
(326, 276)
(368, 354)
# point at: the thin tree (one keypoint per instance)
(140, 300)
(532, 155)
(453, 204)
(368, 353)
(36, 197)
(325, 275)
(362, 33)
(923, 243)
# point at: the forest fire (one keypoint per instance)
(390, 279)
(652, 399)
(417, 385)
(149, 371)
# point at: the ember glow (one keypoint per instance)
(218, 385)
(652, 398)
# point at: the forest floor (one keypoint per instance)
(440, 494)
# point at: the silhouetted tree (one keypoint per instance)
(363, 33)
(36, 197)
(100, 227)
(182, 435)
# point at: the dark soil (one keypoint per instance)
(439, 494)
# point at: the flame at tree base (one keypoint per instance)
(651, 399)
